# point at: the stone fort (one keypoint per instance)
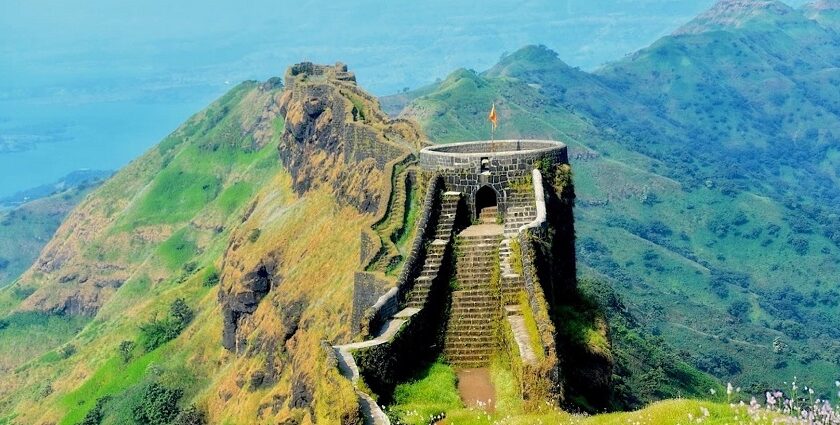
(492, 247)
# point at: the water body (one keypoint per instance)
(94, 83)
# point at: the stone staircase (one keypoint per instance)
(471, 335)
(488, 215)
(435, 250)
(372, 413)
(521, 210)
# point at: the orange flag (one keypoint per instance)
(492, 116)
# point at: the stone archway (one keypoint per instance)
(486, 200)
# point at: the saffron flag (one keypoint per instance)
(492, 116)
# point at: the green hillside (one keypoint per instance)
(120, 312)
(706, 173)
(26, 228)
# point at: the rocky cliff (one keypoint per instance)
(336, 139)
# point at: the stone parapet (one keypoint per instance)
(467, 167)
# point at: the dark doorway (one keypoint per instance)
(485, 199)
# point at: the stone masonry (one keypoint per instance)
(468, 166)
(497, 186)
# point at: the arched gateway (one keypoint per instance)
(486, 204)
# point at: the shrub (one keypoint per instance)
(212, 278)
(740, 310)
(126, 349)
(158, 405)
(96, 414)
(155, 333)
(190, 416)
(190, 267)
(22, 292)
(3, 263)
(67, 351)
(799, 245)
(254, 235)
(181, 312)
(3, 324)
(45, 390)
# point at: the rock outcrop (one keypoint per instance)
(335, 138)
(243, 298)
(336, 134)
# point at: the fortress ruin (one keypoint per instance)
(493, 248)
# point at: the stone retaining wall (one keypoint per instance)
(415, 346)
(540, 381)
(374, 316)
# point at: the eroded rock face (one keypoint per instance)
(243, 295)
(336, 135)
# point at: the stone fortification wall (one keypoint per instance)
(372, 317)
(540, 381)
(466, 167)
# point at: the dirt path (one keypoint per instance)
(476, 388)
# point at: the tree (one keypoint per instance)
(155, 333)
(740, 310)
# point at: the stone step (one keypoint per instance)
(470, 345)
(467, 359)
(473, 274)
(473, 236)
(468, 329)
(471, 364)
(486, 253)
(473, 306)
(469, 352)
(472, 292)
(467, 285)
(469, 312)
(471, 320)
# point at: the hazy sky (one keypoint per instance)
(92, 84)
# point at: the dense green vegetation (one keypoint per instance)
(706, 179)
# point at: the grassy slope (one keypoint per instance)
(25, 229)
(189, 194)
(435, 393)
(669, 243)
